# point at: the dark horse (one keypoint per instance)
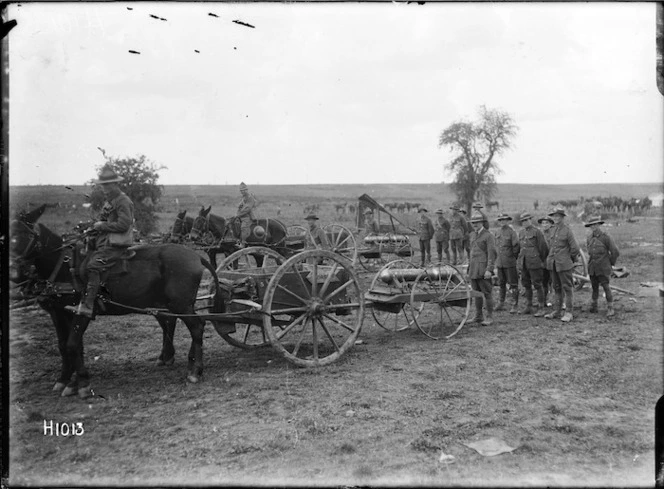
(180, 233)
(227, 233)
(160, 279)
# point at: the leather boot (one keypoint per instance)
(557, 308)
(87, 305)
(528, 306)
(488, 321)
(610, 310)
(515, 300)
(593, 306)
(501, 300)
(540, 310)
(478, 317)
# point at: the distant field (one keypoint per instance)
(289, 201)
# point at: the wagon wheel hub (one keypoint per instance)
(316, 307)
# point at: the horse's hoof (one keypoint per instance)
(68, 391)
(84, 392)
(59, 386)
(194, 379)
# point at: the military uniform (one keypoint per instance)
(425, 233)
(246, 212)
(546, 274)
(115, 233)
(507, 251)
(563, 252)
(316, 237)
(441, 228)
(458, 229)
(481, 261)
(531, 262)
(603, 254)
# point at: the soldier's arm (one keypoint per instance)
(574, 250)
(542, 246)
(516, 245)
(125, 219)
(491, 252)
(613, 250)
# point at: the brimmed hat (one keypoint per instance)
(368, 211)
(422, 209)
(107, 175)
(594, 220)
(455, 207)
(243, 186)
(439, 211)
(524, 216)
(545, 218)
(504, 217)
(463, 211)
(558, 210)
(478, 205)
(311, 217)
(477, 217)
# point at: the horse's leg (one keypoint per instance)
(76, 355)
(212, 255)
(195, 364)
(167, 356)
(62, 322)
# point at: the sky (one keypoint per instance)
(331, 93)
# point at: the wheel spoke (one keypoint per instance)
(328, 279)
(329, 335)
(299, 341)
(314, 338)
(292, 294)
(338, 291)
(339, 322)
(299, 276)
(287, 328)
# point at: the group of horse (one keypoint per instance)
(609, 204)
(162, 279)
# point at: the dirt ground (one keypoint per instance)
(575, 401)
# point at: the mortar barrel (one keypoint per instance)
(411, 274)
(386, 238)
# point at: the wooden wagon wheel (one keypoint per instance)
(387, 319)
(342, 241)
(248, 336)
(313, 307)
(440, 301)
(580, 268)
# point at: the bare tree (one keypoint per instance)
(476, 146)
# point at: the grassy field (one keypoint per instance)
(288, 202)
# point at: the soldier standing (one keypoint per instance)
(466, 235)
(507, 249)
(546, 222)
(425, 232)
(563, 252)
(480, 266)
(246, 212)
(534, 250)
(458, 227)
(603, 254)
(370, 225)
(441, 228)
(115, 233)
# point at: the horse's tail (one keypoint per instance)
(217, 300)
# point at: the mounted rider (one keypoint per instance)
(114, 233)
(246, 212)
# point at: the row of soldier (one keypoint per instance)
(542, 257)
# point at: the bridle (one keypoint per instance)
(180, 234)
(33, 246)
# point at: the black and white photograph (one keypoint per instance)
(319, 244)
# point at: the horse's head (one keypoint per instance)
(24, 246)
(200, 225)
(181, 227)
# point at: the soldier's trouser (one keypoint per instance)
(595, 282)
(441, 246)
(562, 285)
(466, 246)
(245, 229)
(425, 249)
(100, 260)
(546, 281)
(485, 286)
(507, 275)
(533, 277)
(457, 250)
